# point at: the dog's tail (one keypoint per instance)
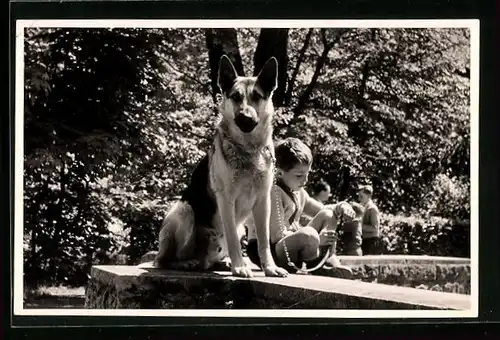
(176, 241)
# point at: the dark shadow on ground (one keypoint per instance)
(42, 302)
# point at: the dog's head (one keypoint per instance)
(247, 100)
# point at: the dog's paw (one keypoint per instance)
(242, 271)
(275, 271)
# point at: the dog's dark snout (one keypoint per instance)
(245, 123)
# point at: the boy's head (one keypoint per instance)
(321, 191)
(365, 193)
(293, 162)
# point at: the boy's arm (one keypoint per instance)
(276, 230)
(312, 206)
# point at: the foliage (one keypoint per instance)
(116, 119)
(418, 236)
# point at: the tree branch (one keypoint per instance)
(291, 83)
(196, 80)
(319, 65)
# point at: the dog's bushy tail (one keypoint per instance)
(176, 241)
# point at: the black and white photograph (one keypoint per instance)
(250, 168)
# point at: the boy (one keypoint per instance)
(370, 221)
(289, 200)
(321, 191)
(352, 236)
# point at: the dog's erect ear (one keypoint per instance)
(227, 74)
(268, 76)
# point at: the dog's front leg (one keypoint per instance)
(262, 216)
(227, 215)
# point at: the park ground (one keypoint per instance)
(54, 297)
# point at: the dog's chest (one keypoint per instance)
(252, 168)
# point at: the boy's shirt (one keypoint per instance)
(370, 220)
(288, 209)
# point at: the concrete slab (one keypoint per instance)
(136, 287)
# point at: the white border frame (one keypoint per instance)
(472, 24)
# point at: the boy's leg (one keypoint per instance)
(302, 245)
(322, 220)
(353, 250)
(325, 220)
(369, 245)
(352, 244)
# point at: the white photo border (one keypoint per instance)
(17, 269)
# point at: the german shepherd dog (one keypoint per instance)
(230, 184)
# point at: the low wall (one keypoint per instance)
(134, 287)
(445, 274)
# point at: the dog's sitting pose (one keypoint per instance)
(232, 182)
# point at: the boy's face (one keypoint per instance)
(296, 177)
(324, 195)
(363, 197)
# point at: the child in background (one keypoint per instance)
(352, 232)
(289, 200)
(370, 221)
(321, 191)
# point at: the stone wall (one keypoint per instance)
(443, 274)
(133, 287)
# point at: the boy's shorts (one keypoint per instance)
(253, 255)
(253, 252)
(351, 244)
(371, 246)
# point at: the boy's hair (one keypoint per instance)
(290, 152)
(320, 186)
(367, 189)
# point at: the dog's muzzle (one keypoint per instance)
(245, 123)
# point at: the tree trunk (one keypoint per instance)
(222, 41)
(60, 226)
(346, 182)
(302, 53)
(34, 260)
(273, 42)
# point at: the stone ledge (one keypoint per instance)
(135, 287)
(448, 274)
(402, 259)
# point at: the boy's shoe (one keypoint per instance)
(341, 272)
(334, 268)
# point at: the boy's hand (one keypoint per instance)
(346, 211)
(327, 237)
(343, 209)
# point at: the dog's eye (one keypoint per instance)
(256, 96)
(236, 97)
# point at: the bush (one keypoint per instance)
(413, 235)
(449, 197)
(418, 236)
